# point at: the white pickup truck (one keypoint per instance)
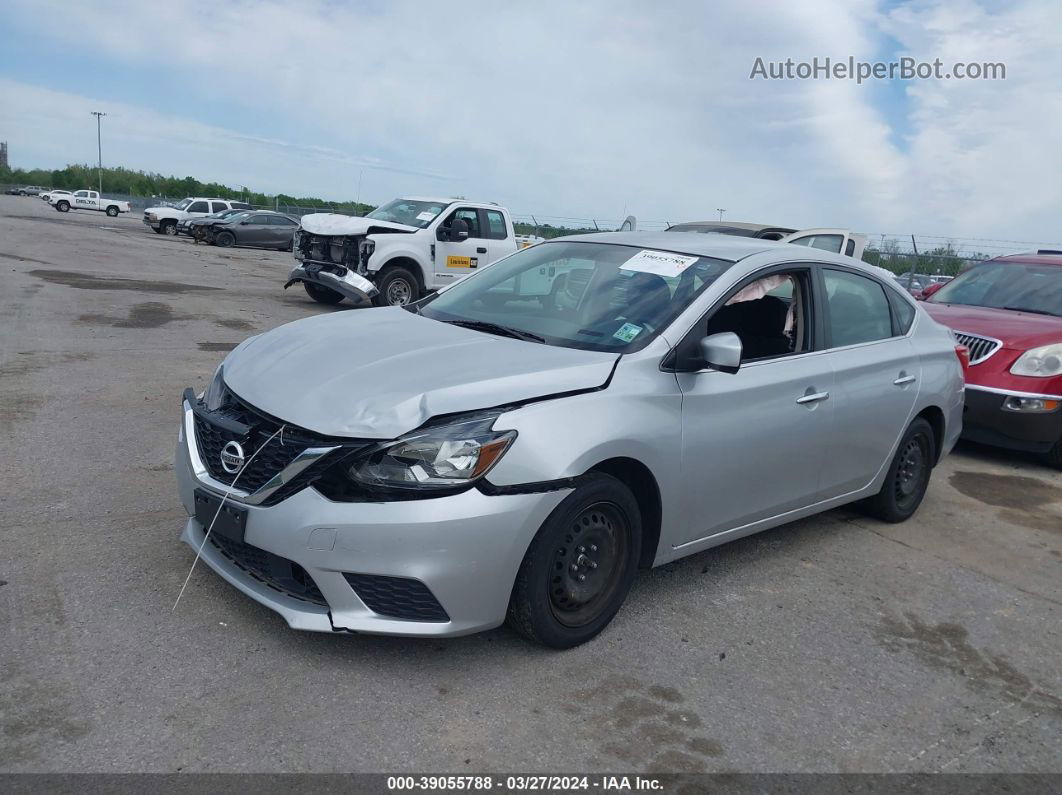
(400, 251)
(164, 220)
(87, 200)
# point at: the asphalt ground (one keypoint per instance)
(836, 643)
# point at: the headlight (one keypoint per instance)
(215, 393)
(456, 454)
(1042, 362)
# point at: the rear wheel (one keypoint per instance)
(398, 287)
(225, 239)
(580, 565)
(168, 227)
(112, 211)
(322, 295)
(908, 476)
(63, 206)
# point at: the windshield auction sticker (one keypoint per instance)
(662, 263)
(627, 332)
(425, 216)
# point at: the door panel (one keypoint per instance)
(871, 410)
(750, 450)
(876, 377)
(456, 260)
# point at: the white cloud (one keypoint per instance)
(577, 109)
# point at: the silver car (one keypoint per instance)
(516, 446)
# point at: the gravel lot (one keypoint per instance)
(834, 644)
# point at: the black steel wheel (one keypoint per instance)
(225, 239)
(908, 476)
(580, 566)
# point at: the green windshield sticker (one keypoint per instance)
(627, 332)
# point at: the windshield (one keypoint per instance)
(182, 204)
(1006, 285)
(409, 212)
(595, 296)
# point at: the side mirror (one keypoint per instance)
(722, 351)
(455, 233)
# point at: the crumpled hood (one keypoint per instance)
(379, 373)
(335, 224)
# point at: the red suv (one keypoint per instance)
(1008, 312)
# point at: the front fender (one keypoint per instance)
(388, 249)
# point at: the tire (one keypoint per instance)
(595, 533)
(63, 206)
(112, 211)
(322, 295)
(1053, 457)
(225, 239)
(168, 227)
(398, 287)
(908, 476)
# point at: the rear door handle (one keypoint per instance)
(481, 250)
(813, 398)
(903, 380)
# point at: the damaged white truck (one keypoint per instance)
(400, 251)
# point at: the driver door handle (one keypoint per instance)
(813, 398)
(904, 380)
(481, 250)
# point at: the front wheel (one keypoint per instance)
(224, 239)
(112, 212)
(63, 206)
(169, 228)
(398, 287)
(580, 565)
(322, 295)
(908, 476)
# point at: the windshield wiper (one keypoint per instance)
(1030, 311)
(495, 328)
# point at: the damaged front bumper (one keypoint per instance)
(463, 551)
(334, 277)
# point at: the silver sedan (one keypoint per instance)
(517, 446)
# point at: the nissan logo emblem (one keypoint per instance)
(232, 457)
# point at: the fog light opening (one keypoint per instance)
(1029, 405)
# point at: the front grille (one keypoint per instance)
(278, 573)
(397, 597)
(980, 347)
(266, 451)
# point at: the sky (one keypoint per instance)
(562, 110)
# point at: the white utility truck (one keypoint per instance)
(400, 251)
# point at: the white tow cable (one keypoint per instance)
(198, 553)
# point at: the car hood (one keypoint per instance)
(379, 373)
(1016, 330)
(335, 224)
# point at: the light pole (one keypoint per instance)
(720, 210)
(99, 145)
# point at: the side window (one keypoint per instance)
(82, 194)
(770, 315)
(469, 215)
(258, 219)
(240, 205)
(496, 225)
(198, 207)
(822, 242)
(904, 312)
(857, 309)
(849, 248)
(281, 220)
(217, 207)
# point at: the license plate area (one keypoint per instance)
(231, 521)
